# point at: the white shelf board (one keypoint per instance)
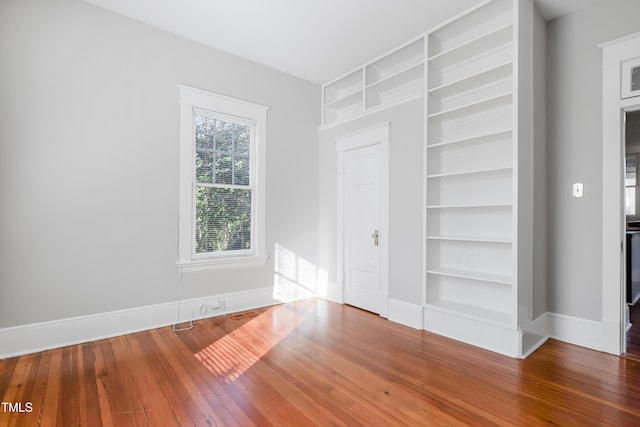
(475, 139)
(472, 275)
(471, 239)
(473, 81)
(369, 111)
(413, 70)
(488, 104)
(348, 100)
(487, 42)
(343, 86)
(476, 313)
(396, 62)
(409, 89)
(470, 206)
(470, 172)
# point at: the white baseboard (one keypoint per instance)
(575, 330)
(472, 331)
(25, 339)
(405, 313)
(534, 335)
(19, 340)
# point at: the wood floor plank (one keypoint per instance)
(114, 376)
(196, 376)
(185, 395)
(362, 395)
(92, 413)
(315, 363)
(356, 368)
(103, 405)
(51, 399)
(151, 378)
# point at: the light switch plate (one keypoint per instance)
(578, 190)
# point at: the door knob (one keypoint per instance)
(376, 238)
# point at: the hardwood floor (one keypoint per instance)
(314, 363)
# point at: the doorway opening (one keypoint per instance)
(631, 137)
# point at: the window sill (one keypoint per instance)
(223, 263)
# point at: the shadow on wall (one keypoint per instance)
(296, 278)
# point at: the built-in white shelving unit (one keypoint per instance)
(477, 288)
(394, 78)
(475, 74)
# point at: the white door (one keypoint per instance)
(361, 235)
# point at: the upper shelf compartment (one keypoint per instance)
(396, 63)
(492, 40)
(343, 88)
(343, 98)
(397, 86)
(473, 81)
(394, 78)
(473, 30)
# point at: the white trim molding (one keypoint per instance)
(574, 330)
(614, 54)
(406, 313)
(569, 329)
(223, 263)
(25, 339)
(215, 103)
(371, 136)
(518, 343)
(490, 336)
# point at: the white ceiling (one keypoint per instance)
(311, 39)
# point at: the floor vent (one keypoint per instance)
(243, 315)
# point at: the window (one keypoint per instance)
(222, 143)
(630, 78)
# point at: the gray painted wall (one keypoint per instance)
(89, 119)
(574, 132)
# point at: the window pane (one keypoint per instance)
(205, 132)
(243, 135)
(241, 171)
(224, 137)
(223, 169)
(204, 167)
(223, 219)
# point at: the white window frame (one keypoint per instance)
(190, 99)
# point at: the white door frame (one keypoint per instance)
(613, 224)
(378, 134)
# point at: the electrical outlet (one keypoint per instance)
(217, 305)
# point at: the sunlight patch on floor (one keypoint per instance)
(233, 354)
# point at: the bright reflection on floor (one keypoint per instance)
(231, 356)
(296, 278)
